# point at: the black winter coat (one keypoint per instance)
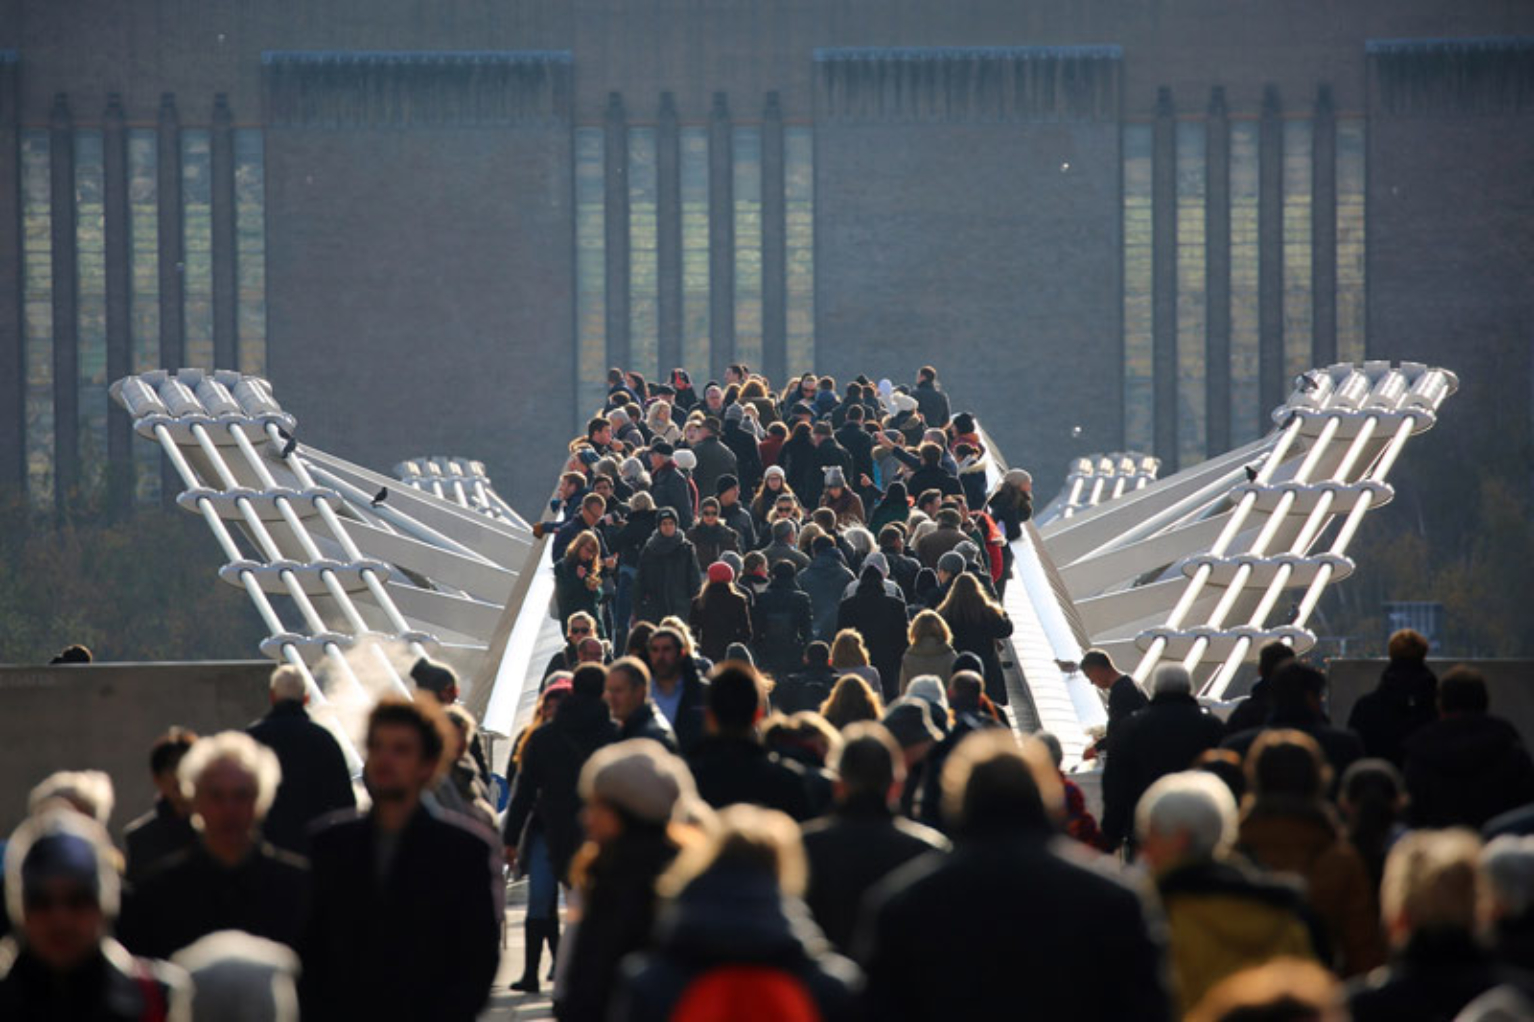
(617, 918)
(1431, 981)
(748, 460)
(156, 836)
(782, 624)
(709, 541)
(315, 779)
(112, 986)
(1463, 770)
(980, 638)
(1341, 747)
(648, 722)
(551, 767)
(932, 403)
(881, 620)
(933, 477)
(922, 966)
(1164, 738)
(715, 459)
(719, 617)
(1125, 699)
(852, 850)
(738, 517)
(668, 579)
(730, 770)
(192, 895)
(423, 942)
(572, 594)
(630, 540)
(824, 581)
(1404, 702)
(671, 489)
(860, 448)
(729, 916)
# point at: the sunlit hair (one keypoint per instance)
(1284, 988)
(683, 632)
(1194, 803)
(852, 699)
(1432, 882)
(807, 537)
(583, 617)
(287, 684)
(967, 603)
(1507, 867)
(744, 837)
(847, 650)
(641, 501)
(1287, 762)
(239, 750)
(424, 716)
(995, 783)
(543, 714)
(1408, 644)
(930, 623)
(583, 539)
(88, 792)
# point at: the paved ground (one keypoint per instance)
(506, 1004)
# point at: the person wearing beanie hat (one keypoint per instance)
(909, 722)
(685, 459)
(61, 892)
(721, 613)
(733, 513)
(710, 537)
(966, 662)
(734, 561)
(930, 688)
(740, 651)
(950, 566)
(847, 505)
(668, 575)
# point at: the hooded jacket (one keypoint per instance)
(782, 624)
(709, 541)
(1223, 918)
(1465, 769)
(1289, 835)
(668, 578)
(551, 767)
(824, 580)
(730, 916)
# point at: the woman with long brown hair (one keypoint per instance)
(578, 578)
(533, 862)
(773, 487)
(978, 623)
(721, 614)
(850, 701)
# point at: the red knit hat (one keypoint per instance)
(720, 572)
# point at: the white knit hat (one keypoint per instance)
(638, 777)
(685, 459)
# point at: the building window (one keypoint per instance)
(1192, 338)
(590, 271)
(695, 285)
(37, 311)
(799, 243)
(1350, 240)
(197, 247)
(747, 153)
(1298, 310)
(644, 282)
(144, 274)
(1245, 330)
(1139, 395)
(250, 247)
(91, 306)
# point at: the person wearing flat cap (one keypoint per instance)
(633, 791)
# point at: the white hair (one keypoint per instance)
(288, 684)
(58, 821)
(1508, 866)
(1194, 803)
(88, 792)
(241, 750)
(241, 978)
(1171, 679)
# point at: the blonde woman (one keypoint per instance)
(658, 419)
(850, 656)
(931, 650)
(850, 701)
(578, 578)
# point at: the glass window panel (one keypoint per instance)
(695, 276)
(747, 152)
(144, 299)
(590, 272)
(1139, 396)
(644, 284)
(1298, 310)
(799, 235)
(197, 246)
(1351, 237)
(1192, 337)
(37, 312)
(91, 305)
(1245, 405)
(250, 248)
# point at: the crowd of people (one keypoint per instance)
(772, 775)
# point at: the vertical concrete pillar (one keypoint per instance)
(1323, 230)
(774, 244)
(1271, 385)
(1164, 278)
(114, 134)
(668, 233)
(66, 342)
(172, 262)
(226, 344)
(1217, 272)
(721, 238)
(616, 192)
(13, 460)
